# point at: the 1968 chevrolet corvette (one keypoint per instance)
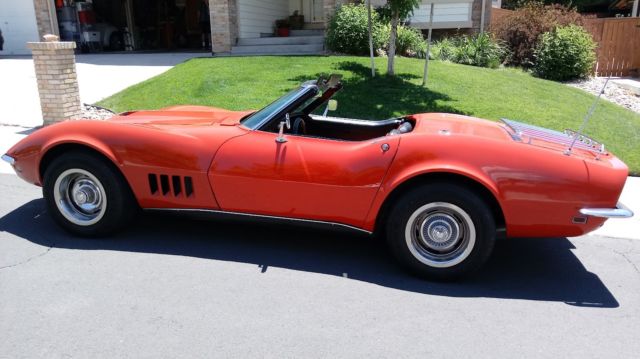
(439, 187)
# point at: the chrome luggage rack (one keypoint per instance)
(568, 137)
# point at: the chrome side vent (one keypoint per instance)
(166, 184)
(153, 183)
(177, 186)
(188, 186)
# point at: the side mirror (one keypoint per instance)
(287, 123)
(332, 105)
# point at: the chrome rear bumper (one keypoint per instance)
(10, 160)
(619, 212)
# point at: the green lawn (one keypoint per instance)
(239, 83)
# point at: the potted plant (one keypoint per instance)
(296, 21)
(282, 27)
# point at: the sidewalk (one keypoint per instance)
(99, 76)
(618, 228)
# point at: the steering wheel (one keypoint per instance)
(299, 124)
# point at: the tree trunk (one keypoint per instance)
(395, 18)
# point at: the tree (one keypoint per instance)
(399, 10)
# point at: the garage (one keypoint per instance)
(18, 26)
(134, 25)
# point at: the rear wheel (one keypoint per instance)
(441, 231)
(87, 195)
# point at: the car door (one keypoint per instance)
(304, 177)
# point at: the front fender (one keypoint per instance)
(30, 151)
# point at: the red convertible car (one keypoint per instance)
(440, 187)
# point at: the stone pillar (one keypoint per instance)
(55, 65)
(329, 10)
(476, 15)
(224, 24)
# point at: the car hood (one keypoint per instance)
(182, 116)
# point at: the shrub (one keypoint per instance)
(410, 42)
(348, 30)
(565, 53)
(521, 29)
(348, 33)
(477, 50)
(444, 49)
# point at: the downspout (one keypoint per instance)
(484, 4)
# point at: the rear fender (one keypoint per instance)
(395, 180)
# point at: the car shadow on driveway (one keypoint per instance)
(530, 269)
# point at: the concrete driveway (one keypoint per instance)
(183, 288)
(99, 76)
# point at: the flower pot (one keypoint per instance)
(283, 32)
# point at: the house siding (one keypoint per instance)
(445, 15)
(259, 16)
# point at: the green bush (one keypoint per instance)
(565, 53)
(477, 50)
(444, 49)
(348, 30)
(410, 42)
(348, 33)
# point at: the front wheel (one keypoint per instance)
(87, 195)
(441, 231)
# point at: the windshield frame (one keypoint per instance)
(276, 108)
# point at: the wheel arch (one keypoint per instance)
(55, 150)
(488, 195)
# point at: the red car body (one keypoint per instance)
(203, 158)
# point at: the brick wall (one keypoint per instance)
(224, 24)
(476, 9)
(43, 17)
(55, 66)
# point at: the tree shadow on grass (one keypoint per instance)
(541, 269)
(382, 96)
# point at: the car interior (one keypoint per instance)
(299, 120)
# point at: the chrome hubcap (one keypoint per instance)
(439, 231)
(79, 196)
(440, 234)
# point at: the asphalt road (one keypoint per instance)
(188, 288)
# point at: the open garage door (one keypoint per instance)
(122, 25)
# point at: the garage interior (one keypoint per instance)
(134, 25)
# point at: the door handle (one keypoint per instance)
(385, 147)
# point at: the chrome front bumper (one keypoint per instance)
(619, 212)
(10, 160)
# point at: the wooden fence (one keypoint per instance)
(618, 52)
(618, 39)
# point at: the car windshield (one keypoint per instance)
(257, 118)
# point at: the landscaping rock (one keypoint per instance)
(613, 92)
(91, 112)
